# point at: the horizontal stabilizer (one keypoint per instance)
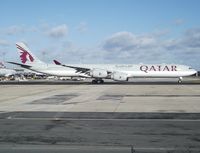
(22, 65)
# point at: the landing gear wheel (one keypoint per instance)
(180, 79)
(97, 81)
(94, 81)
(101, 81)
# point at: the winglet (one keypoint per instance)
(56, 62)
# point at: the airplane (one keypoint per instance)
(123, 72)
(99, 72)
(5, 72)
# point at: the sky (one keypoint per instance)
(103, 31)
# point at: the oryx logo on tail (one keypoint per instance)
(25, 55)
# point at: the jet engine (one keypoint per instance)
(98, 73)
(117, 76)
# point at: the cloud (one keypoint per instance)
(191, 38)
(131, 48)
(152, 48)
(69, 52)
(127, 47)
(125, 41)
(188, 42)
(4, 43)
(54, 32)
(179, 22)
(15, 29)
(82, 27)
(58, 31)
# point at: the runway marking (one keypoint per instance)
(55, 99)
(119, 97)
(86, 119)
(5, 112)
(167, 149)
(98, 147)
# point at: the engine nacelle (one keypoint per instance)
(117, 76)
(98, 73)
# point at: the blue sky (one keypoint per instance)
(103, 31)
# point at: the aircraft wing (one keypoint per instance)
(22, 65)
(78, 69)
(98, 73)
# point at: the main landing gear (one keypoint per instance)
(180, 79)
(97, 81)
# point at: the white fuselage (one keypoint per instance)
(132, 70)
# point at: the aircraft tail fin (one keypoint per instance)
(26, 56)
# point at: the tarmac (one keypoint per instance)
(142, 116)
